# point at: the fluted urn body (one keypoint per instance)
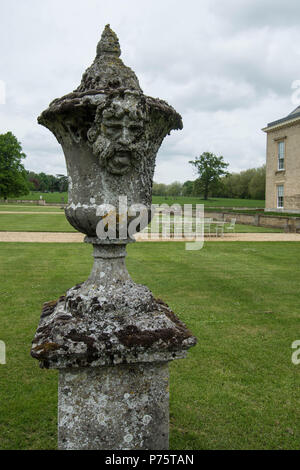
(110, 133)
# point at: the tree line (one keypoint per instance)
(15, 180)
(213, 179)
(247, 184)
(47, 183)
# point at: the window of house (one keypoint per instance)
(280, 196)
(281, 155)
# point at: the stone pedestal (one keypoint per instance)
(120, 407)
(111, 341)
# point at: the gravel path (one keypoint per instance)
(59, 237)
(41, 237)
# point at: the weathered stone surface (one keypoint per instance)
(109, 320)
(124, 324)
(108, 70)
(110, 338)
(120, 407)
(110, 133)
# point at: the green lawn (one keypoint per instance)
(53, 222)
(29, 208)
(213, 202)
(35, 223)
(241, 228)
(238, 388)
(55, 197)
(255, 211)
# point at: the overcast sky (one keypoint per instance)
(227, 66)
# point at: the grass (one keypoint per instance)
(29, 208)
(53, 222)
(283, 214)
(55, 197)
(239, 228)
(237, 389)
(256, 211)
(213, 202)
(35, 223)
(210, 206)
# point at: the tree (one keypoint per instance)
(33, 179)
(44, 182)
(62, 183)
(197, 188)
(174, 189)
(187, 188)
(230, 184)
(257, 185)
(210, 168)
(159, 189)
(248, 184)
(244, 182)
(13, 176)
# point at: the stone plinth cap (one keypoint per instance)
(122, 324)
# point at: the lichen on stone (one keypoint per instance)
(110, 133)
(119, 324)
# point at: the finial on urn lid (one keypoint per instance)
(108, 70)
(109, 43)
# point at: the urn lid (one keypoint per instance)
(108, 70)
(105, 78)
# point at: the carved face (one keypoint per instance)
(118, 138)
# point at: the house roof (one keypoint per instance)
(290, 117)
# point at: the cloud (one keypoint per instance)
(226, 66)
(249, 14)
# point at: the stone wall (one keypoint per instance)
(37, 202)
(288, 224)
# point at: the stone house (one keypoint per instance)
(283, 163)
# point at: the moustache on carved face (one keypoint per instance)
(118, 158)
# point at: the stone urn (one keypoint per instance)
(110, 338)
(110, 133)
